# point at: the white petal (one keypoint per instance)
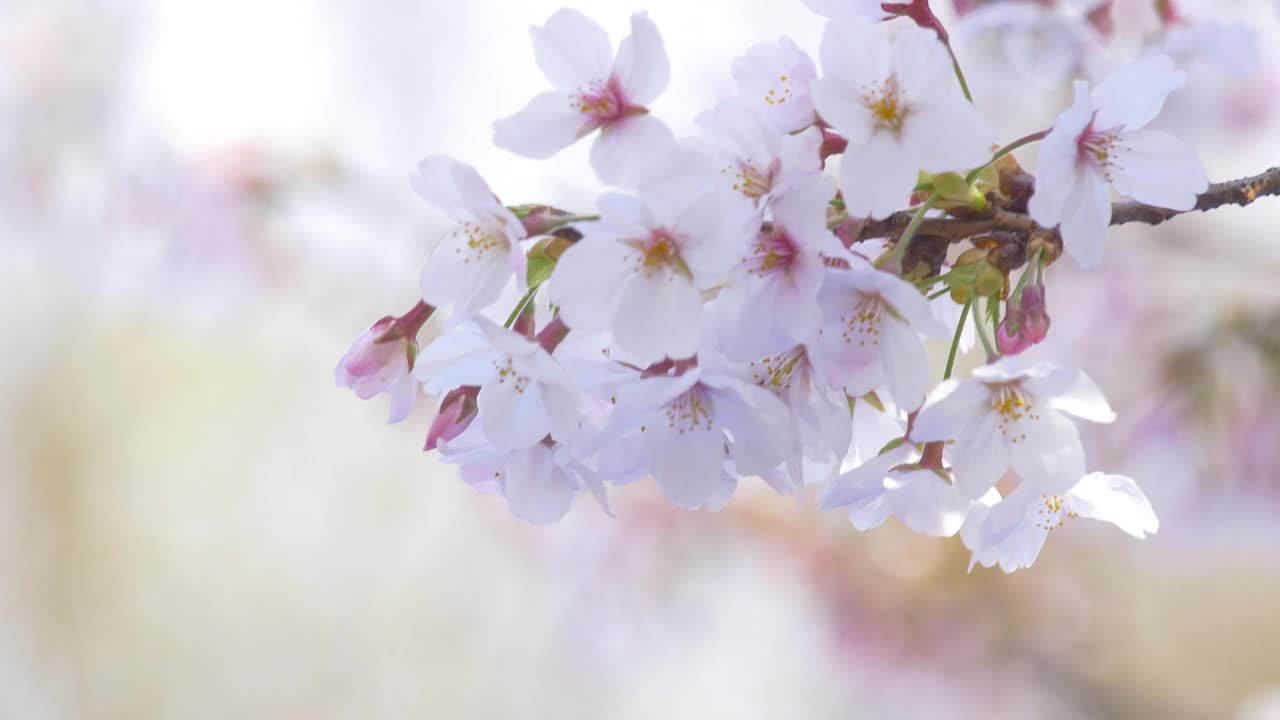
(950, 136)
(759, 423)
(687, 465)
(1158, 169)
(877, 177)
(1085, 218)
(1056, 166)
(866, 480)
(625, 150)
(1132, 95)
(1115, 499)
(588, 281)
(512, 418)
(660, 316)
(455, 189)
(461, 356)
(843, 108)
(1046, 450)
(536, 490)
(714, 232)
(1009, 533)
(642, 67)
(404, 394)
(906, 364)
(1074, 392)
(953, 406)
(923, 67)
(800, 155)
(547, 125)
(926, 503)
(907, 301)
(979, 458)
(775, 79)
(572, 50)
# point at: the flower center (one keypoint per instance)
(1013, 406)
(1096, 147)
(862, 325)
(602, 103)
(476, 242)
(1049, 512)
(776, 373)
(508, 374)
(690, 412)
(781, 92)
(658, 253)
(749, 179)
(772, 253)
(886, 104)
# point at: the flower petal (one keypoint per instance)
(547, 125)
(979, 458)
(1158, 169)
(926, 503)
(625, 151)
(588, 282)
(1085, 218)
(513, 418)
(642, 68)
(1115, 499)
(876, 177)
(1132, 95)
(537, 491)
(659, 317)
(1073, 392)
(572, 50)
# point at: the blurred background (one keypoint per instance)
(201, 204)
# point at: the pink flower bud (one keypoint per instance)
(921, 13)
(1011, 338)
(1035, 319)
(376, 364)
(457, 410)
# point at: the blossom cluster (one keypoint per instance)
(729, 311)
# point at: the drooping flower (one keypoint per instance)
(755, 160)
(871, 335)
(901, 109)
(1100, 143)
(639, 271)
(688, 427)
(1011, 532)
(524, 394)
(891, 484)
(773, 290)
(594, 91)
(773, 80)
(377, 364)
(475, 261)
(1005, 417)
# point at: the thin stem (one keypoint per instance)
(940, 293)
(955, 342)
(520, 306)
(1025, 140)
(900, 250)
(955, 65)
(987, 346)
(936, 278)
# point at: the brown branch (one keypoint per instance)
(1236, 192)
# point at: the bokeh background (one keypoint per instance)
(202, 203)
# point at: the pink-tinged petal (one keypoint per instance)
(436, 181)
(1073, 392)
(1132, 95)
(1115, 499)
(589, 280)
(876, 177)
(562, 408)
(466, 271)
(952, 407)
(513, 417)
(572, 50)
(908, 302)
(1056, 167)
(1085, 218)
(979, 458)
(461, 356)
(864, 481)
(404, 394)
(775, 78)
(926, 503)
(536, 490)
(714, 232)
(906, 364)
(547, 125)
(1009, 535)
(1046, 451)
(760, 425)
(923, 68)
(950, 136)
(687, 462)
(843, 109)
(625, 151)
(659, 317)
(642, 68)
(1158, 169)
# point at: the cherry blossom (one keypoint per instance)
(1043, 42)
(374, 365)
(524, 394)
(871, 335)
(594, 91)
(1007, 416)
(477, 259)
(755, 160)
(901, 109)
(1100, 143)
(773, 80)
(1011, 532)
(892, 484)
(640, 270)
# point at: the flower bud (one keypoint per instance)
(1035, 319)
(376, 365)
(457, 410)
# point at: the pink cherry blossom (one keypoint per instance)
(371, 367)
(773, 80)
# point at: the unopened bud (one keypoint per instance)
(457, 410)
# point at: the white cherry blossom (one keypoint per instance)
(473, 263)
(594, 91)
(640, 270)
(1005, 417)
(871, 335)
(752, 158)
(524, 394)
(689, 426)
(901, 109)
(1100, 143)
(1011, 532)
(773, 80)
(773, 290)
(892, 485)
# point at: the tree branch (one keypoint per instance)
(1236, 192)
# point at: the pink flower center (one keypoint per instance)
(776, 373)
(773, 253)
(862, 324)
(885, 101)
(1096, 147)
(603, 103)
(751, 180)
(659, 252)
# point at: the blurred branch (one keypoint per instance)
(1235, 192)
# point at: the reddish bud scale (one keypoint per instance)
(921, 13)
